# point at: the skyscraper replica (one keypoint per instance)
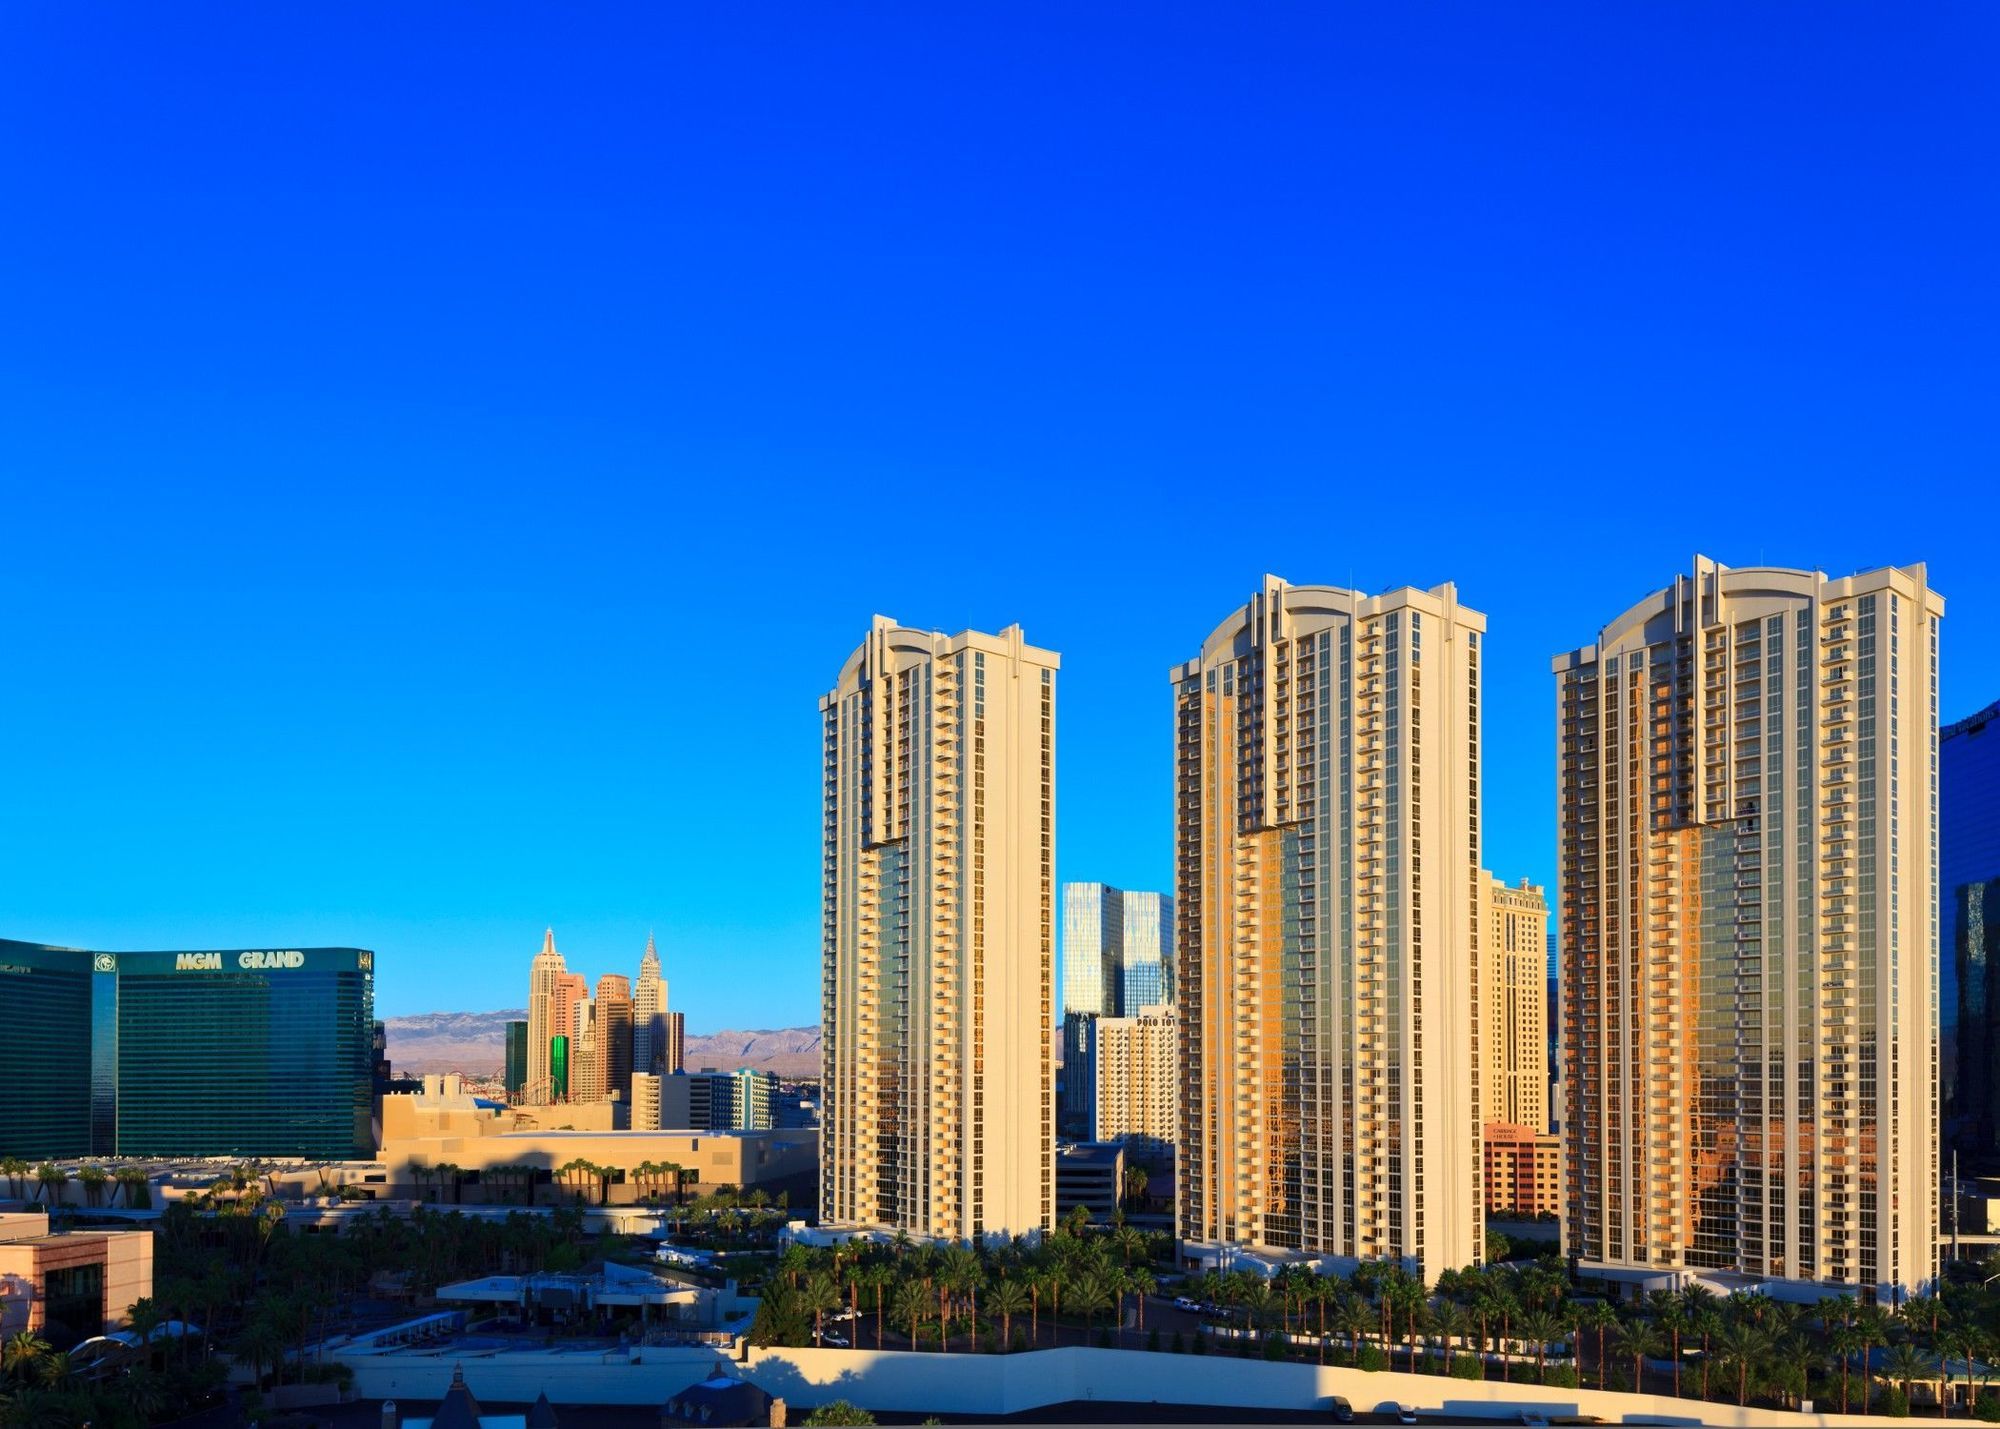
(1748, 857)
(938, 935)
(545, 975)
(1328, 893)
(649, 1015)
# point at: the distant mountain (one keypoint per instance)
(475, 1043)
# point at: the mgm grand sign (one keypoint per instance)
(254, 961)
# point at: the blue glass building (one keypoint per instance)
(1969, 924)
(249, 1052)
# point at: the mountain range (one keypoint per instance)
(475, 1044)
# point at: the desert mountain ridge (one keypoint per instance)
(475, 1044)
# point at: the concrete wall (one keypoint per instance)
(1009, 1384)
(642, 1376)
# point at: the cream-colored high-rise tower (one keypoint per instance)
(1513, 1005)
(649, 1015)
(545, 974)
(1329, 893)
(939, 935)
(1747, 800)
(1136, 1096)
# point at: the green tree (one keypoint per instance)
(1904, 1364)
(1602, 1318)
(910, 1303)
(1742, 1347)
(1539, 1327)
(1007, 1298)
(818, 1295)
(838, 1411)
(1639, 1341)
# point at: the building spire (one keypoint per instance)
(549, 943)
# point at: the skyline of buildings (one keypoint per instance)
(1764, 837)
(1748, 862)
(938, 935)
(582, 1048)
(1328, 890)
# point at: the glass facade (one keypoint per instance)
(517, 1059)
(45, 1054)
(1969, 892)
(258, 1052)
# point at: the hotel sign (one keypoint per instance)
(257, 961)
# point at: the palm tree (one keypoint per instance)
(1448, 1322)
(22, 1353)
(1600, 1317)
(1007, 1298)
(1673, 1319)
(1872, 1328)
(1842, 1340)
(1090, 1298)
(911, 1301)
(1540, 1327)
(1140, 1281)
(1743, 1345)
(1903, 1364)
(819, 1295)
(1352, 1319)
(1963, 1342)
(16, 1171)
(1641, 1341)
(93, 1179)
(49, 1182)
(1708, 1323)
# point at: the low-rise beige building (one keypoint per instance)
(1138, 1078)
(500, 1153)
(69, 1285)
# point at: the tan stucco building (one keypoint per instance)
(1748, 857)
(443, 1125)
(87, 1280)
(938, 935)
(1137, 1096)
(1513, 1005)
(1329, 895)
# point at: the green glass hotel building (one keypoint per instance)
(250, 1052)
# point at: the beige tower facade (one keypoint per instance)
(1329, 894)
(938, 935)
(649, 1014)
(545, 974)
(1747, 801)
(614, 1032)
(1513, 1005)
(1138, 1081)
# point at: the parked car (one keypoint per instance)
(1343, 1412)
(1405, 1414)
(1183, 1302)
(839, 1342)
(1535, 1419)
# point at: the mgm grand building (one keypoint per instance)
(257, 1052)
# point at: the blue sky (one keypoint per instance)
(446, 451)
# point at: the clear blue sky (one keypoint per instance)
(445, 451)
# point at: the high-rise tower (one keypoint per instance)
(1747, 799)
(938, 935)
(1328, 894)
(649, 1015)
(614, 1033)
(545, 973)
(1513, 1004)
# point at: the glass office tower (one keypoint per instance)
(517, 1059)
(1969, 892)
(253, 1052)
